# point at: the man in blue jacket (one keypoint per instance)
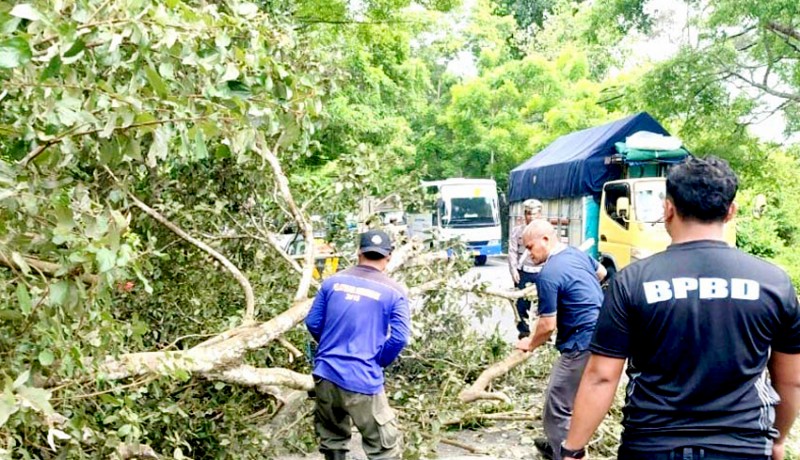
(360, 318)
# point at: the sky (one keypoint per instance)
(663, 43)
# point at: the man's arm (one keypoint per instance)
(316, 316)
(594, 398)
(545, 326)
(784, 372)
(601, 272)
(399, 322)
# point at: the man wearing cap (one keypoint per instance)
(523, 270)
(360, 318)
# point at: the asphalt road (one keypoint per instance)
(502, 316)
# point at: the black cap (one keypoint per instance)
(376, 241)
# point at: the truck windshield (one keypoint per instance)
(471, 212)
(650, 201)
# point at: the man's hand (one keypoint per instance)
(525, 344)
(515, 276)
(778, 451)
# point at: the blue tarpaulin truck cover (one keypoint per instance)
(574, 165)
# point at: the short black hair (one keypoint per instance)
(372, 255)
(702, 189)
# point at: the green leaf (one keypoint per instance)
(200, 150)
(59, 292)
(156, 82)
(75, 49)
(46, 357)
(26, 11)
(20, 261)
(159, 147)
(53, 68)
(8, 24)
(237, 88)
(24, 299)
(37, 398)
(124, 430)
(106, 259)
(14, 52)
(22, 379)
(8, 406)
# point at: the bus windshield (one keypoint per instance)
(472, 211)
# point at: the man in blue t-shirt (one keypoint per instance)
(569, 299)
(360, 318)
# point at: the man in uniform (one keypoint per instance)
(699, 324)
(523, 270)
(360, 318)
(569, 297)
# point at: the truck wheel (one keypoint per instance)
(480, 261)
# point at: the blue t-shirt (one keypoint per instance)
(360, 318)
(568, 285)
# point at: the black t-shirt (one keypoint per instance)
(697, 323)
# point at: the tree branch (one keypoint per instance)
(257, 377)
(47, 268)
(766, 89)
(249, 312)
(477, 391)
(308, 232)
(40, 149)
(206, 357)
(783, 29)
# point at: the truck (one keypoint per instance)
(593, 186)
(463, 209)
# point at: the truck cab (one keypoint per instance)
(631, 225)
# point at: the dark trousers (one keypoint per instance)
(523, 304)
(685, 453)
(338, 409)
(560, 397)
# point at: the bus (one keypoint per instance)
(464, 209)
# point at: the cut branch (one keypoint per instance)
(206, 357)
(296, 354)
(459, 444)
(477, 391)
(502, 416)
(271, 377)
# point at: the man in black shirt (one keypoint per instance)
(699, 325)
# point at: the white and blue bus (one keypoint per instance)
(465, 209)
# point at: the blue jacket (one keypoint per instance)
(360, 318)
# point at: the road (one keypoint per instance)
(502, 317)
